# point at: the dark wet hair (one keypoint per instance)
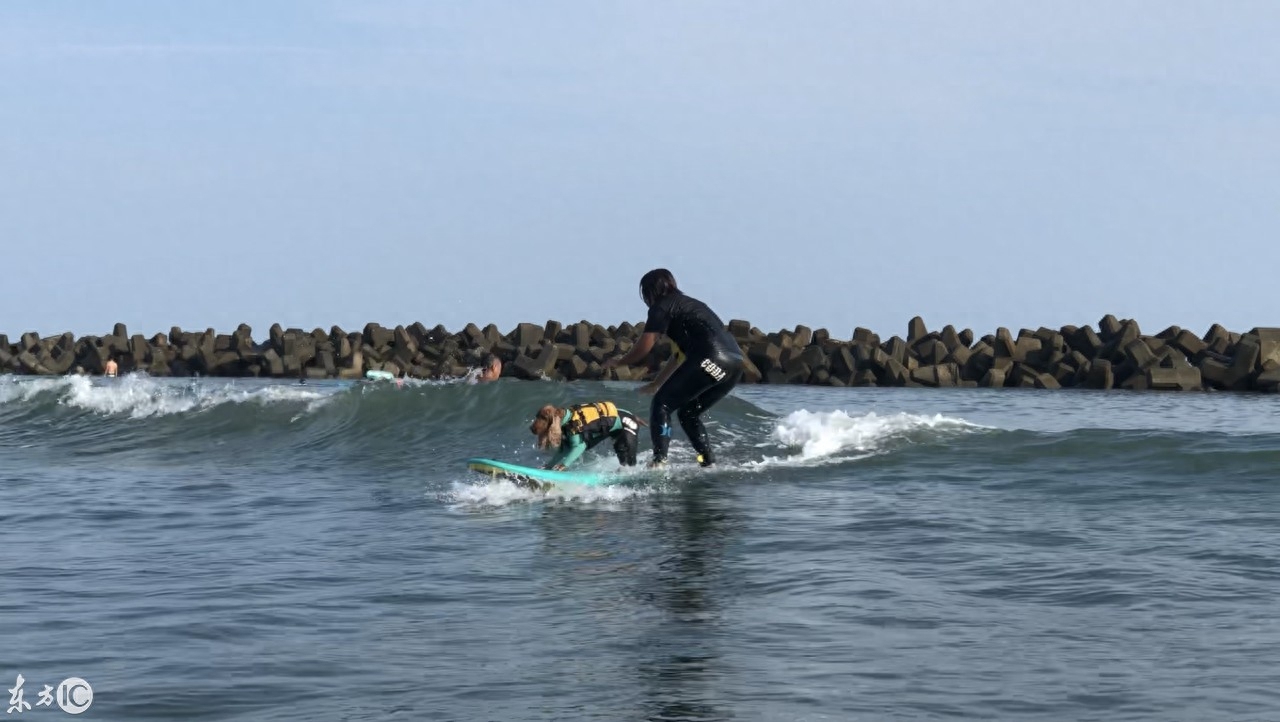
(655, 284)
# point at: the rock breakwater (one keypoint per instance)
(1115, 355)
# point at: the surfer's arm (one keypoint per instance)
(672, 364)
(569, 452)
(555, 459)
(571, 448)
(637, 352)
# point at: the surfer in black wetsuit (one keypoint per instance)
(706, 365)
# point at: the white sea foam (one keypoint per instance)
(140, 396)
(135, 396)
(830, 436)
(501, 492)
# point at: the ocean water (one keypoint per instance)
(242, 550)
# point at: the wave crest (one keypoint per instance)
(839, 436)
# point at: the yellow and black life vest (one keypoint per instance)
(586, 416)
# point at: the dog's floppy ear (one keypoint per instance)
(546, 426)
(545, 416)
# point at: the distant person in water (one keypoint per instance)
(112, 368)
(573, 430)
(706, 365)
(376, 375)
(491, 369)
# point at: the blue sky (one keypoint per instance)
(834, 164)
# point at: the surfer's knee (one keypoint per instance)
(690, 414)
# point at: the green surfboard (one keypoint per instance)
(528, 474)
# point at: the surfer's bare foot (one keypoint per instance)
(657, 463)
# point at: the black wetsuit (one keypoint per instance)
(712, 367)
